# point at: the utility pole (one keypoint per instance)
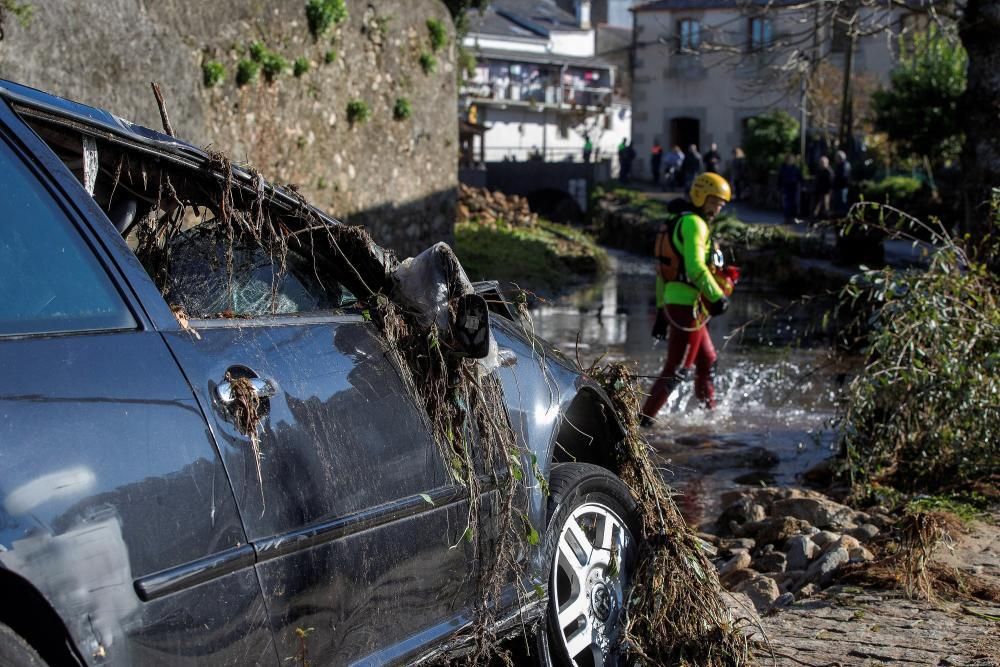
(847, 104)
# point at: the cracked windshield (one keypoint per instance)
(581, 333)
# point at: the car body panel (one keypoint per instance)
(345, 543)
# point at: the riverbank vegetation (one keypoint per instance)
(923, 414)
(545, 258)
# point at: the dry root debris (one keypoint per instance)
(675, 613)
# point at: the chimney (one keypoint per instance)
(583, 13)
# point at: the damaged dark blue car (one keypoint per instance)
(142, 524)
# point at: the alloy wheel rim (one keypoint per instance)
(589, 584)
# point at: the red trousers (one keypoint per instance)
(688, 345)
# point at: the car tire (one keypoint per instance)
(15, 652)
(590, 511)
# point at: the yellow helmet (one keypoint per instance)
(709, 184)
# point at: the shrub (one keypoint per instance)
(246, 71)
(212, 73)
(401, 110)
(358, 111)
(300, 66)
(439, 34)
(321, 15)
(330, 57)
(896, 190)
(272, 65)
(257, 51)
(923, 414)
(428, 62)
(769, 138)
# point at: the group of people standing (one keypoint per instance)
(831, 187)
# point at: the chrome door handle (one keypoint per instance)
(507, 357)
(261, 388)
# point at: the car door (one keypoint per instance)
(114, 503)
(342, 491)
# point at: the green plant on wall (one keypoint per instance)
(272, 63)
(246, 71)
(402, 110)
(321, 15)
(330, 57)
(428, 62)
(358, 112)
(212, 73)
(301, 66)
(439, 34)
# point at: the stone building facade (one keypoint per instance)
(702, 68)
(394, 172)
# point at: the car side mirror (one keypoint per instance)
(471, 331)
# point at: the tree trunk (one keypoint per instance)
(979, 29)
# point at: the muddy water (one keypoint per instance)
(776, 384)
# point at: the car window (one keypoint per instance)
(215, 245)
(50, 282)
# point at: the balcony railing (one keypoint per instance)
(537, 94)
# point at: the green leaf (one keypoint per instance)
(539, 591)
(532, 536)
(427, 498)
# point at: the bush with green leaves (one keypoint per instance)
(246, 71)
(401, 110)
(300, 66)
(330, 57)
(321, 15)
(898, 191)
(358, 111)
(428, 62)
(924, 412)
(212, 73)
(769, 138)
(439, 34)
(273, 65)
(920, 110)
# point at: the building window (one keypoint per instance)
(841, 32)
(760, 34)
(689, 31)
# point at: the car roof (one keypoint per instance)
(108, 123)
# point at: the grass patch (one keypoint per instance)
(439, 34)
(212, 73)
(968, 508)
(358, 112)
(546, 257)
(321, 15)
(402, 109)
(428, 63)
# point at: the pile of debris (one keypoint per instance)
(480, 206)
(781, 545)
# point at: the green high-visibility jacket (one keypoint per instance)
(691, 237)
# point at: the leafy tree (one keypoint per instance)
(920, 111)
(769, 138)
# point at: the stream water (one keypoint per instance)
(776, 387)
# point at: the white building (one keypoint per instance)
(539, 89)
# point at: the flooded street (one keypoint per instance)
(776, 382)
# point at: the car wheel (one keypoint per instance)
(16, 652)
(590, 547)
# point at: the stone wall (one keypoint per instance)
(398, 177)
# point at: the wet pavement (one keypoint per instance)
(776, 386)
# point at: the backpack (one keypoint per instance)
(670, 257)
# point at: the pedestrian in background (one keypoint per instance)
(672, 169)
(790, 185)
(626, 155)
(691, 166)
(738, 171)
(713, 160)
(823, 188)
(841, 183)
(588, 147)
(656, 160)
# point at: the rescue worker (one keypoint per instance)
(688, 291)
